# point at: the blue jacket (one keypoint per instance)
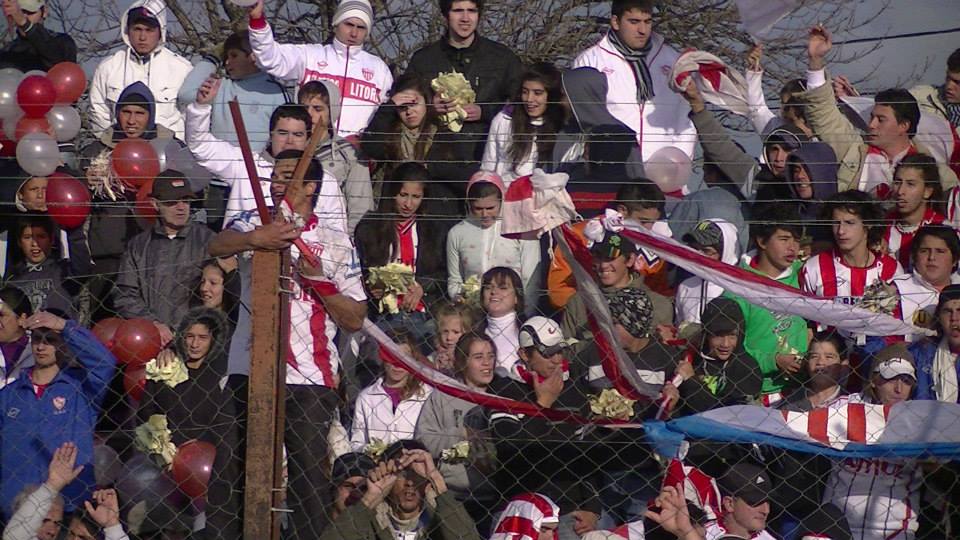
(258, 94)
(924, 352)
(32, 428)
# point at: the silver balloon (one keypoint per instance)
(160, 146)
(8, 95)
(10, 125)
(65, 121)
(11, 71)
(38, 154)
(33, 72)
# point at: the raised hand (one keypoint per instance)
(673, 515)
(754, 56)
(43, 319)
(548, 390)
(61, 470)
(818, 45)
(107, 511)
(256, 12)
(380, 481)
(208, 91)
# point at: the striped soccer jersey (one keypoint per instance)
(827, 275)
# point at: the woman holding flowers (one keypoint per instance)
(400, 253)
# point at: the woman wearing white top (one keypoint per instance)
(502, 297)
(515, 141)
(475, 245)
(387, 410)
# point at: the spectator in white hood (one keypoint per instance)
(144, 58)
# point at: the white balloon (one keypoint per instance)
(8, 95)
(65, 121)
(10, 125)
(160, 145)
(11, 71)
(38, 154)
(670, 168)
(33, 72)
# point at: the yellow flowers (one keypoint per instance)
(456, 453)
(154, 439)
(375, 448)
(394, 279)
(612, 404)
(171, 374)
(879, 297)
(453, 87)
(470, 291)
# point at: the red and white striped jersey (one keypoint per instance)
(899, 237)
(879, 498)
(953, 207)
(917, 300)
(827, 275)
(697, 487)
(715, 530)
(312, 358)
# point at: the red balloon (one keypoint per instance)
(136, 342)
(192, 466)
(134, 381)
(135, 161)
(27, 125)
(36, 96)
(106, 329)
(69, 81)
(9, 148)
(144, 207)
(68, 200)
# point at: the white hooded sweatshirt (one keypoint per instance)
(694, 293)
(163, 71)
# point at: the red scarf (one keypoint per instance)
(408, 252)
(528, 375)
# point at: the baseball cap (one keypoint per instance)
(171, 185)
(705, 234)
(748, 482)
(612, 246)
(893, 361)
(544, 334)
(141, 15)
(32, 6)
(351, 464)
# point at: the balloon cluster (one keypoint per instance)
(36, 111)
(134, 342)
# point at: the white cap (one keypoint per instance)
(894, 367)
(349, 9)
(544, 334)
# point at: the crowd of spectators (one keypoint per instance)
(401, 210)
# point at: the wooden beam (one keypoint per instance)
(264, 411)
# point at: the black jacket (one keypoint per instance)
(450, 158)
(35, 47)
(492, 69)
(196, 408)
(538, 455)
(54, 283)
(431, 270)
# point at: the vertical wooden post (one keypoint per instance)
(266, 395)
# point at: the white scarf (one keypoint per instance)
(506, 336)
(945, 373)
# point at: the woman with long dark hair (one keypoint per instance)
(407, 128)
(523, 133)
(400, 232)
(502, 299)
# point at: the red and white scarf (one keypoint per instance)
(524, 516)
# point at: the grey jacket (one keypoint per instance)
(445, 421)
(447, 521)
(158, 274)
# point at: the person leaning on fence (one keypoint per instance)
(337, 155)
(328, 299)
(50, 282)
(403, 231)
(880, 498)
(57, 400)
(536, 454)
(776, 341)
(408, 128)
(447, 423)
(363, 78)
(160, 265)
(491, 68)
(143, 57)
(406, 497)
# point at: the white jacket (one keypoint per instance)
(374, 417)
(660, 122)
(363, 79)
(163, 71)
(694, 293)
(496, 154)
(225, 161)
